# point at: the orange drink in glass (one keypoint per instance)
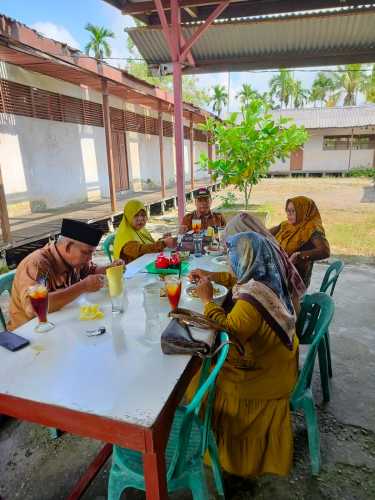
(38, 295)
(196, 225)
(173, 288)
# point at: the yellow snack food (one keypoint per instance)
(90, 312)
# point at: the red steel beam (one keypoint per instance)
(109, 146)
(178, 108)
(204, 27)
(165, 26)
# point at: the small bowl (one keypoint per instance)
(218, 299)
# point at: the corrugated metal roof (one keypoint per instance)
(343, 36)
(341, 117)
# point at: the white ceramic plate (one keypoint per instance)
(218, 298)
(213, 253)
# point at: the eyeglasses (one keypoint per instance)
(141, 216)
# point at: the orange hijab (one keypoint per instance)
(292, 237)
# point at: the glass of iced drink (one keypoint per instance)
(173, 288)
(116, 287)
(196, 225)
(38, 295)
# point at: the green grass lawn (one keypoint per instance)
(347, 207)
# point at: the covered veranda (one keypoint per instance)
(24, 48)
(195, 36)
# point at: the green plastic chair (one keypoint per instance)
(190, 437)
(107, 246)
(328, 286)
(6, 282)
(317, 309)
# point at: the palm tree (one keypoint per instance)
(322, 88)
(219, 98)
(300, 95)
(349, 81)
(98, 42)
(368, 87)
(247, 94)
(281, 86)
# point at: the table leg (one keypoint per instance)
(155, 476)
(94, 468)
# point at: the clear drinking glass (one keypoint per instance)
(198, 243)
(116, 287)
(38, 295)
(173, 288)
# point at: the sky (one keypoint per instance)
(65, 21)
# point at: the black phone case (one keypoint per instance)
(12, 341)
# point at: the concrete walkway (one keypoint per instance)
(32, 467)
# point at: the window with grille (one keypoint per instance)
(340, 142)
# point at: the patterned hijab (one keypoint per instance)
(292, 237)
(244, 222)
(126, 231)
(261, 281)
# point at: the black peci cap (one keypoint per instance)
(80, 231)
(202, 193)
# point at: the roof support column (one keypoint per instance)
(109, 147)
(191, 144)
(161, 153)
(4, 217)
(178, 108)
(209, 153)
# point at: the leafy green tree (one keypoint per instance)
(349, 81)
(99, 41)
(282, 86)
(368, 86)
(247, 94)
(248, 144)
(300, 95)
(219, 98)
(322, 87)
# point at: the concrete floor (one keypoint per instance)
(34, 467)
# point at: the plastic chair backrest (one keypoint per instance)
(331, 276)
(317, 308)
(6, 283)
(206, 387)
(107, 245)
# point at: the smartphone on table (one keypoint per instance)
(12, 341)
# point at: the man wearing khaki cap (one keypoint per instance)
(203, 212)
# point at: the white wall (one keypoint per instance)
(51, 164)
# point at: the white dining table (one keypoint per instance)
(117, 387)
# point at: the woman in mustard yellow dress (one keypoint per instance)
(302, 235)
(251, 416)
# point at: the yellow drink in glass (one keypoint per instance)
(115, 280)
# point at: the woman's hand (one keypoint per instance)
(183, 229)
(170, 242)
(205, 290)
(198, 274)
